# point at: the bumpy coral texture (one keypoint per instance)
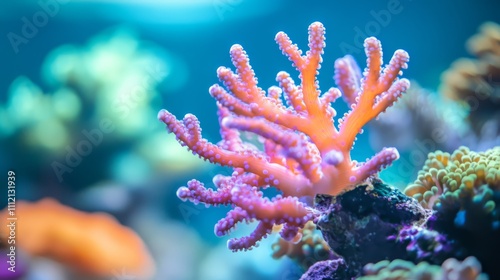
(468, 269)
(309, 249)
(448, 178)
(304, 152)
(463, 189)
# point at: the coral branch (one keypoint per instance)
(373, 88)
(247, 242)
(304, 152)
(348, 78)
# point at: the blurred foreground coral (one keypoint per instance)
(93, 244)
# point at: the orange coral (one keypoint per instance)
(304, 151)
(93, 243)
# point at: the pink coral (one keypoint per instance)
(304, 153)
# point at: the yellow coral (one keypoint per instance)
(459, 174)
(309, 249)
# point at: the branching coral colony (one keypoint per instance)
(304, 152)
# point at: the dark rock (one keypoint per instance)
(359, 224)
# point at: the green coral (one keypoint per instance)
(468, 269)
(457, 178)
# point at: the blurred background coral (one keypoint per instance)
(82, 82)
